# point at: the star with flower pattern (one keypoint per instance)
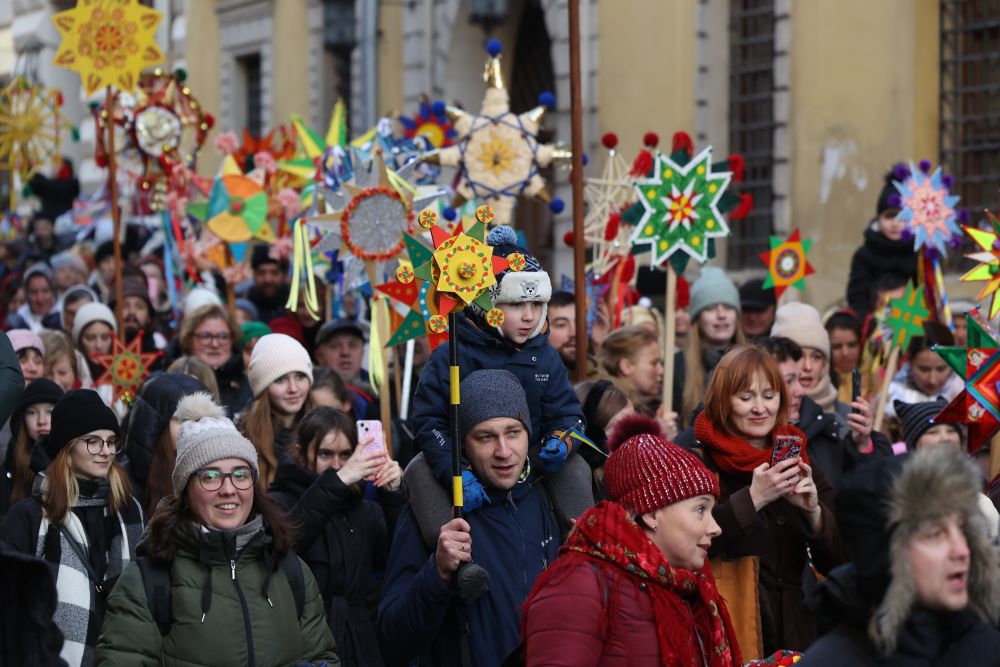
(126, 367)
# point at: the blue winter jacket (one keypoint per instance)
(514, 538)
(551, 399)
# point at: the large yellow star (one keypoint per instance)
(466, 266)
(108, 42)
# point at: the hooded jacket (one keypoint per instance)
(877, 256)
(873, 599)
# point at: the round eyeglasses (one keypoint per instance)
(212, 479)
(95, 444)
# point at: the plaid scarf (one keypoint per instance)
(66, 546)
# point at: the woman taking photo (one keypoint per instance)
(774, 511)
(208, 334)
(632, 586)
(31, 419)
(223, 554)
(81, 518)
(343, 537)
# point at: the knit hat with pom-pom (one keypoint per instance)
(646, 472)
(206, 435)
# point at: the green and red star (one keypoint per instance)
(787, 265)
(907, 315)
(126, 367)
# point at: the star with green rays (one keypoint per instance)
(680, 207)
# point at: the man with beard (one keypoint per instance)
(137, 313)
(562, 332)
(269, 291)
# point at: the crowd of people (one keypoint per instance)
(234, 512)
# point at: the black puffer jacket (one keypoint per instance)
(234, 388)
(877, 256)
(28, 635)
(343, 539)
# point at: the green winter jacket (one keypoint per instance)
(241, 625)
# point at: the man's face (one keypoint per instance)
(562, 331)
(40, 296)
(939, 563)
(268, 278)
(757, 322)
(496, 449)
(43, 228)
(343, 353)
(135, 312)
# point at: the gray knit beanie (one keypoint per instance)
(206, 435)
(488, 394)
(275, 355)
(713, 286)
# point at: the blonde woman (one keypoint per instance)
(209, 334)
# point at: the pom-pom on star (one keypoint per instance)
(988, 269)
(430, 122)
(787, 265)
(928, 207)
(907, 315)
(126, 367)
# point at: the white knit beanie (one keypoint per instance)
(206, 435)
(801, 323)
(90, 313)
(275, 355)
(198, 297)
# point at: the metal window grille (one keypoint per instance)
(752, 123)
(970, 100)
(250, 69)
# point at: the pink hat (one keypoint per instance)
(25, 338)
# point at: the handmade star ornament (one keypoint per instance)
(606, 196)
(907, 315)
(31, 124)
(928, 207)
(126, 367)
(430, 122)
(108, 42)
(988, 269)
(787, 263)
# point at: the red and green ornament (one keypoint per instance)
(126, 367)
(787, 264)
(907, 315)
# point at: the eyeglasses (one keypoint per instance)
(95, 444)
(212, 480)
(207, 337)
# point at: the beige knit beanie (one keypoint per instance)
(801, 323)
(275, 355)
(206, 435)
(90, 313)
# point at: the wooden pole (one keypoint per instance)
(109, 108)
(883, 397)
(579, 251)
(230, 289)
(669, 339)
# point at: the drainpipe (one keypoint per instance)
(369, 61)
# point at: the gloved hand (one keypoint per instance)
(473, 493)
(554, 453)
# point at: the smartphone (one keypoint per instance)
(371, 428)
(855, 387)
(785, 447)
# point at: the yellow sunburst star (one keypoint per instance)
(108, 42)
(31, 125)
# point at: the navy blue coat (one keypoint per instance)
(514, 537)
(551, 399)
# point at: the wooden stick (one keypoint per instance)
(230, 289)
(579, 250)
(670, 338)
(109, 108)
(890, 370)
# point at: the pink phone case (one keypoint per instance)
(785, 447)
(371, 428)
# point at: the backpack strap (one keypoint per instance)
(156, 582)
(292, 567)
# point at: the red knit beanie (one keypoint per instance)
(646, 472)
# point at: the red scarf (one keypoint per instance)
(681, 598)
(734, 454)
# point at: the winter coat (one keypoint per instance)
(830, 448)
(250, 618)
(269, 308)
(28, 635)
(234, 388)
(877, 256)
(343, 539)
(514, 537)
(11, 386)
(551, 399)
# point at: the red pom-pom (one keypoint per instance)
(628, 271)
(59, 98)
(642, 165)
(738, 167)
(609, 140)
(682, 142)
(631, 426)
(210, 120)
(741, 211)
(101, 160)
(614, 222)
(650, 139)
(683, 293)
(569, 238)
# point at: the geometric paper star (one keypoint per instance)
(907, 315)
(125, 367)
(787, 265)
(928, 208)
(988, 270)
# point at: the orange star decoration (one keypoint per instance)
(126, 367)
(786, 262)
(108, 42)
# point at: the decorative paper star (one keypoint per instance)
(126, 367)
(31, 125)
(787, 265)
(430, 122)
(907, 315)
(928, 208)
(108, 42)
(979, 365)
(605, 197)
(988, 270)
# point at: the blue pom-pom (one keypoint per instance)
(494, 47)
(586, 159)
(901, 172)
(894, 200)
(557, 205)
(438, 108)
(925, 166)
(502, 235)
(962, 215)
(547, 99)
(947, 181)
(449, 213)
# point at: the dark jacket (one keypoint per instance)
(28, 635)
(831, 451)
(343, 539)
(877, 256)
(551, 399)
(234, 388)
(11, 386)
(514, 538)
(269, 307)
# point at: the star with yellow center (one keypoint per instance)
(496, 154)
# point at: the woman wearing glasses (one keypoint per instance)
(81, 517)
(209, 334)
(232, 592)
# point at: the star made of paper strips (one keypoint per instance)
(787, 264)
(606, 196)
(31, 124)
(126, 367)
(907, 315)
(978, 405)
(108, 42)
(988, 269)
(928, 208)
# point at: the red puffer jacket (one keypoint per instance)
(592, 615)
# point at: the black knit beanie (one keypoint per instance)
(917, 418)
(78, 412)
(42, 390)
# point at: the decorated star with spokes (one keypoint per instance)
(126, 367)
(988, 269)
(928, 207)
(787, 265)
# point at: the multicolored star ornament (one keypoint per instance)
(126, 367)
(988, 270)
(108, 42)
(605, 197)
(979, 365)
(928, 207)
(787, 265)
(431, 122)
(907, 315)
(497, 152)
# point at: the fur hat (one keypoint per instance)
(529, 285)
(206, 435)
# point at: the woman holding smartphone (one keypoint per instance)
(774, 507)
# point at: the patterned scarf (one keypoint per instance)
(732, 453)
(682, 599)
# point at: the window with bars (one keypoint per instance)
(970, 100)
(752, 122)
(249, 69)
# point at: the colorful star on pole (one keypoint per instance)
(108, 42)
(787, 264)
(431, 122)
(126, 367)
(988, 270)
(979, 365)
(907, 315)
(928, 207)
